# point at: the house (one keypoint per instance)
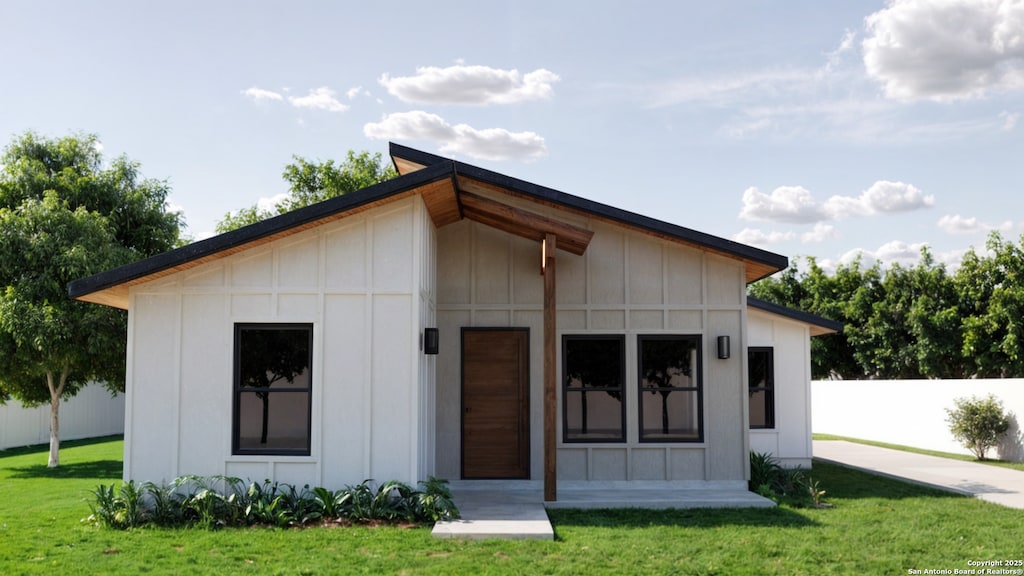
(453, 322)
(779, 369)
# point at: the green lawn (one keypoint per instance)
(878, 526)
(950, 455)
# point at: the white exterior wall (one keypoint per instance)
(626, 283)
(361, 282)
(913, 412)
(790, 440)
(92, 412)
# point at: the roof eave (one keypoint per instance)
(819, 325)
(88, 289)
(767, 262)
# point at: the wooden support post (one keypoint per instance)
(550, 376)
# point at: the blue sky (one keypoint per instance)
(807, 128)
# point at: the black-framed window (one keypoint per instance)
(593, 388)
(761, 386)
(670, 392)
(273, 389)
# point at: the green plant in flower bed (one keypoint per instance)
(878, 526)
(217, 501)
(785, 486)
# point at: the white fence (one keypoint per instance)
(93, 412)
(911, 412)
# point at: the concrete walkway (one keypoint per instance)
(516, 510)
(992, 483)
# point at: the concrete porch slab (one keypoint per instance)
(516, 509)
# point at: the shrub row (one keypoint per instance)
(216, 501)
(790, 486)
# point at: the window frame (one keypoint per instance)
(566, 390)
(237, 390)
(768, 389)
(698, 378)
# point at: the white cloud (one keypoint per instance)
(820, 233)
(793, 204)
(1009, 120)
(755, 237)
(952, 259)
(899, 252)
(351, 93)
(487, 144)
(259, 94)
(796, 205)
(730, 89)
(946, 50)
(322, 98)
(883, 197)
(957, 224)
(894, 252)
(172, 206)
(479, 85)
(907, 255)
(268, 204)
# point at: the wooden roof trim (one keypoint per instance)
(754, 270)
(759, 263)
(192, 255)
(523, 223)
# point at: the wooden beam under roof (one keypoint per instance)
(519, 222)
(754, 269)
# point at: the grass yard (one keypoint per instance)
(878, 526)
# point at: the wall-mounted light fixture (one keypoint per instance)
(431, 340)
(723, 347)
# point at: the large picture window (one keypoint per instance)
(670, 388)
(272, 389)
(761, 386)
(594, 375)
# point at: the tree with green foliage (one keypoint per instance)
(993, 293)
(814, 291)
(914, 322)
(978, 423)
(312, 182)
(64, 215)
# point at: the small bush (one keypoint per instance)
(978, 423)
(216, 501)
(785, 486)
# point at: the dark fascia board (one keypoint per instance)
(596, 208)
(799, 315)
(259, 230)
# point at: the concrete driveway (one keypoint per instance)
(992, 483)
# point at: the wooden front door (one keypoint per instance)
(495, 403)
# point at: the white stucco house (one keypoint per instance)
(460, 323)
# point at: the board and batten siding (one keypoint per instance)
(790, 440)
(626, 283)
(365, 283)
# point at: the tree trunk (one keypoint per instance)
(584, 402)
(56, 390)
(54, 432)
(664, 412)
(266, 412)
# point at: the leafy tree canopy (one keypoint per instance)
(914, 322)
(312, 182)
(66, 214)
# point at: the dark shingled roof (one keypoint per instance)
(418, 169)
(799, 315)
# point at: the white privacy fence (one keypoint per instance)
(93, 412)
(911, 412)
